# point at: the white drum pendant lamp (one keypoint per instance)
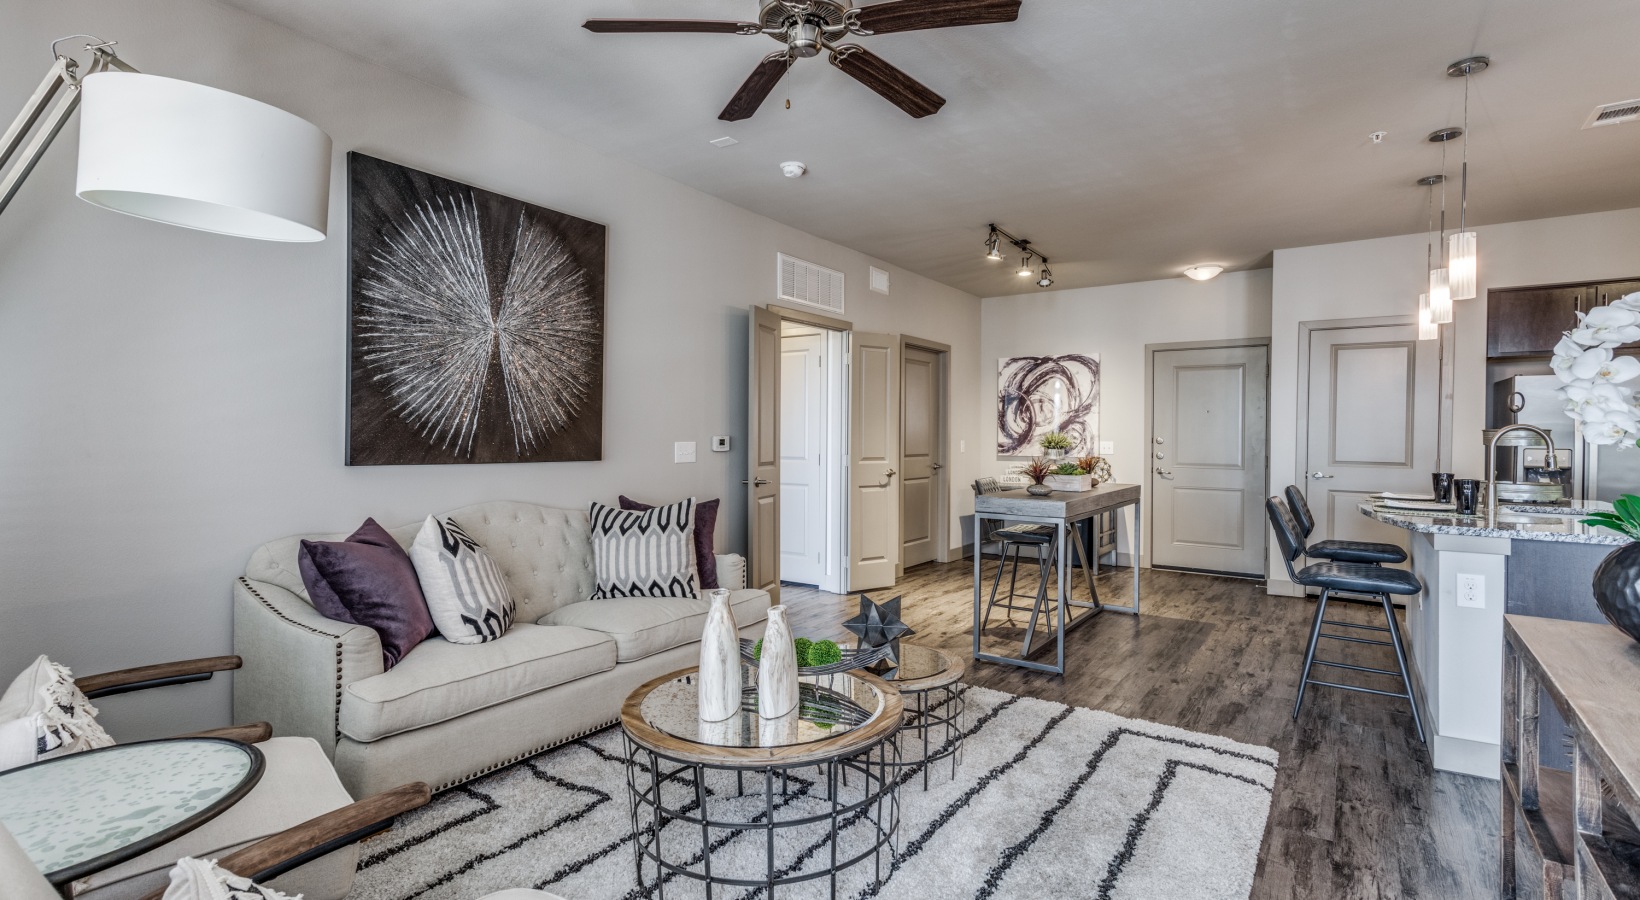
(186, 154)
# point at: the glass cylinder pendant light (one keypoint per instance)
(1427, 329)
(1440, 298)
(1461, 259)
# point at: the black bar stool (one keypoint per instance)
(1337, 551)
(1013, 538)
(1358, 578)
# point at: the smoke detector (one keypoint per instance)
(793, 169)
(1614, 114)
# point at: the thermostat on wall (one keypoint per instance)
(720, 443)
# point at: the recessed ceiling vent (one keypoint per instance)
(809, 284)
(1614, 114)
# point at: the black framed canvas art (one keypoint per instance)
(475, 325)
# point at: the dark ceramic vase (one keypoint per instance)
(1038, 490)
(1617, 589)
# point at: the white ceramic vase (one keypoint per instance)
(718, 684)
(777, 668)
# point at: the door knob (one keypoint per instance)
(1319, 475)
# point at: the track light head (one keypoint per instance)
(1046, 280)
(994, 243)
(1025, 270)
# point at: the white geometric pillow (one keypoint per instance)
(42, 715)
(202, 879)
(645, 554)
(465, 592)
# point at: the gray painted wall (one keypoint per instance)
(172, 399)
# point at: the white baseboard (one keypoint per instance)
(1281, 587)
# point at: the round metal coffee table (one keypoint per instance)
(762, 803)
(936, 709)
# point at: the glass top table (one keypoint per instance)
(81, 813)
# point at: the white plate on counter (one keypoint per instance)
(1420, 505)
(1391, 495)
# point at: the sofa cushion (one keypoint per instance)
(441, 680)
(644, 626)
(465, 592)
(368, 580)
(706, 513)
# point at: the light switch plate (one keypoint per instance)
(720, 443)
(1471, 590)
(1106, 448)
(683, 452)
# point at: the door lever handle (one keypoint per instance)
(758, 483)
(1319, 475)
(1165, 473)
(936, 467)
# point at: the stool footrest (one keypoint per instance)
(1356, 640)
(1339, 665)
(1355, 625)
(1352, 687)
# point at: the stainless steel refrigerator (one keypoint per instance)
(1598, 473)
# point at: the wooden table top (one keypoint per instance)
(1592, 670)
(1059, 504)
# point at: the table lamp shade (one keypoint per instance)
(190, 155)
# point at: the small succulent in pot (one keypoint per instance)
(1038, 471)
(1069, 468)
(1097, 466)
(1055, 444)
(1617, 579)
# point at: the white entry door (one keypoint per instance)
(803, 488)
(874, 454)
(1208, 465)
(1374, 422)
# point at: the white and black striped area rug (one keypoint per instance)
(1050, 801)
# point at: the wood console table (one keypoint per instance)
(1571, 834)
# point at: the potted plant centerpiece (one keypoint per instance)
(1097, 467)
(1055, 444)
(1037, 470)
(1070, 476)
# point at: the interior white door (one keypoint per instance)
(763, 454)
(921, 462)
(1208, 461)
(802, 444)
(1374, 421)
(874, 494)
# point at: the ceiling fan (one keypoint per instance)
(808, 27)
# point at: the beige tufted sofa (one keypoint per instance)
(450, 712)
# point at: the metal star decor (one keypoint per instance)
(879, 624)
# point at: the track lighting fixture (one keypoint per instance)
(1027, 262)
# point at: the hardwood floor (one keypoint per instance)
(1357, 812)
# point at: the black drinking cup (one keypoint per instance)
(1443, 486)
(1469, 495)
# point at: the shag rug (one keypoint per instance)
(1049, 801)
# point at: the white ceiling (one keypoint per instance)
(1127, 140)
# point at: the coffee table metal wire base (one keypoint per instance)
(761, 826)
(934, 722)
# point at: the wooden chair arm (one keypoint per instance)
(249, 733)
(143, 677)
(273, 856)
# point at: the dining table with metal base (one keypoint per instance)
(1064, 511)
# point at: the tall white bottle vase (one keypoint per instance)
(718, 685)
(777, 668)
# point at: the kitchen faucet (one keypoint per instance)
(1492, 462)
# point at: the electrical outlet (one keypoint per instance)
(683, 452)
(1472, 590)
(1106, 448)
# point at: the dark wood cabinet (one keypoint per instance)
(1530, 321)
(1605, 292)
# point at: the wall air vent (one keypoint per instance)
(809, 284)
(1614, 114)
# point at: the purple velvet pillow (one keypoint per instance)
(368, 580)
(705, 529)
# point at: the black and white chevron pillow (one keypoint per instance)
(645, 554)
(465, 592)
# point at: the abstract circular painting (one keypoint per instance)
(1039, 394)
(476, 325)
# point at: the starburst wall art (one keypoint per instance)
(476, 324)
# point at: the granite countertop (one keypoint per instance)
(1519, 523)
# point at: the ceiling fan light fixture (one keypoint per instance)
(1203, 272)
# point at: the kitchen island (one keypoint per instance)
(1475, 569)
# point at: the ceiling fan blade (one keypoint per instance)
(757, 87)
(894, 85)
(911, 15)
(670, 26)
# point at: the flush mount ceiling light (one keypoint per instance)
(1203, 272)
(1460, 257)
(1027, 262)
(793, 169)
(176, 152)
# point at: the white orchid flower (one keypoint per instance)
(1604, 434)
(1618, 370)
(1607, 326)
(1586, 365)
(1592, 401)
(1566, 353)
(1631, 302)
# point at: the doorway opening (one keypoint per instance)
(813, 418)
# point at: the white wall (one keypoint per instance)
(172, 399)
(1384, 277)
(1116, 322)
